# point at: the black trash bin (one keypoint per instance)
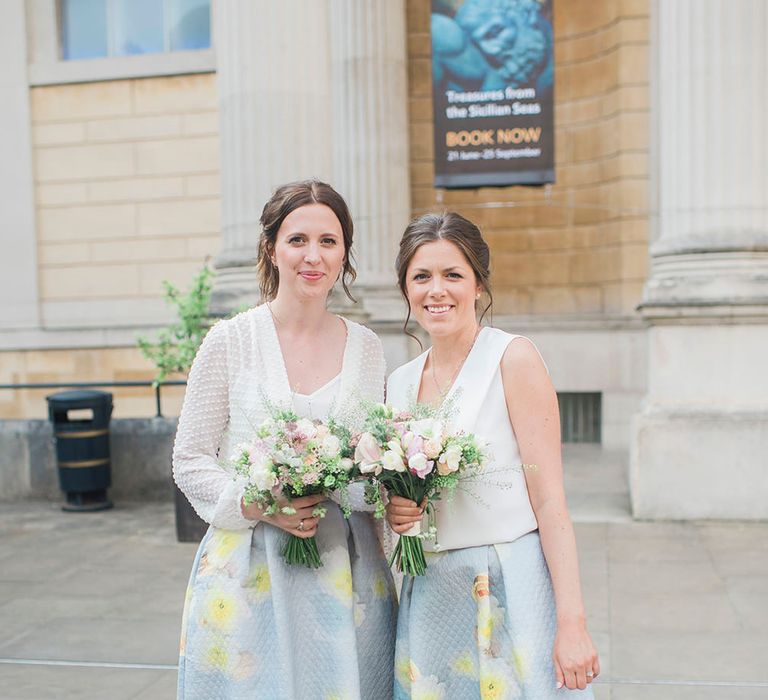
(81, 426)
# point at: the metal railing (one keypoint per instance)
(93, 385)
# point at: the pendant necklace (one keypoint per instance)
(444, 392)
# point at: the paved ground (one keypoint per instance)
(90, 605)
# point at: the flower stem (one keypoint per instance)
(302, 552)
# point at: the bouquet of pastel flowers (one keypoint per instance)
(291, 457)
(417, 457)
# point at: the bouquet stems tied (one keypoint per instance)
(409, 556)
(302, 552)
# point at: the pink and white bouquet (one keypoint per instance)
(290, 457)
(417, 458)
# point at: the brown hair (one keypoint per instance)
(288, 198)
(448, 226)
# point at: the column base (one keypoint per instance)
(699, 464)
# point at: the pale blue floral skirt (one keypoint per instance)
(480, 625)
(254, 627)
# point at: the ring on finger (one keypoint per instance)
(300, 526)
(590, 674)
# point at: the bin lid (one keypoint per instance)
(88, 396)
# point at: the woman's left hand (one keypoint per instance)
(575, 656)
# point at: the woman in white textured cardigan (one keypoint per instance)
(254, 626)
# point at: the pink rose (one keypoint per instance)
(368, 454)
(420, 465)
(415, 445)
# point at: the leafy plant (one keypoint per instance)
(177, 345)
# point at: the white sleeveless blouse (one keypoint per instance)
(496, 508)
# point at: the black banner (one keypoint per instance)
(492, 84)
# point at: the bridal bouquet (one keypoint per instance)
(291, 457)
(417, 458)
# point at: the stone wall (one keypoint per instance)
(140, 452)
(126, 182)
(119, 364)
(127, 195)
(581, 245)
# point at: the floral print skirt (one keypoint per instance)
(479, 625)
(254, 627)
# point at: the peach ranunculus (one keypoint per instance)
(449, 461)
(432, 448)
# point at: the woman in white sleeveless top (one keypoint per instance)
(499, 613)
(253, 626)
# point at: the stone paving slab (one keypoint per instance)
(678, 610)
(22, 682)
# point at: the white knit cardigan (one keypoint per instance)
(237, 375)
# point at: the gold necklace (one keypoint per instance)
(444, 392)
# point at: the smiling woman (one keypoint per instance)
(506, 580)
(464, 257)
(283, 631)
(305, 216)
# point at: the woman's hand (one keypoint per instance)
(575, 656)
(301, 523)
(402, 514)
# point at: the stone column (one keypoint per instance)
(370, 147)
(19, 302)
(274, 111)
(314, 89)
(700, 444)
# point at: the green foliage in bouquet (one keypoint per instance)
(290, 457)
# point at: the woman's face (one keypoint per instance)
(309, 251)
(441, 288)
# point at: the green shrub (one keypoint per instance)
(177, 345)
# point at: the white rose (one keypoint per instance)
(449, 460)
(322, 431)
(427, 428)
(331, 446)
(346, 464)
(306, 428)
(261, 474)
(392, 461)
(432, 448)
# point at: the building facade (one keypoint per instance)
(641, 273)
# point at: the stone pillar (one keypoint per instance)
(314, 89)
(700, 444)
(274, 111)
(19, 302)
(370, 148)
